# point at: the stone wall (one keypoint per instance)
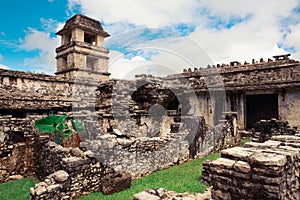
(65, 172)
(68, 173)
(289, 105)
(18, 142)
(23, 91)
(268, 170)
(265, 129)
(143, 155)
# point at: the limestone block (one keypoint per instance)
(145, 196)
(237, 153)
(268, 159)
(242, 167)
(60, 176)
(55, 187)
(2, 136)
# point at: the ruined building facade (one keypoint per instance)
(169, 119)
(257, 90)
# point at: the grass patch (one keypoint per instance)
(181, 178)
(243, 141)
(17, 190)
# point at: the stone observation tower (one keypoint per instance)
(82, 51)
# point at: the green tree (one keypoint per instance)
(57, 127)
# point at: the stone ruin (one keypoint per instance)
(113, 152)
(268, 170)
(135, 126)
(265, 129)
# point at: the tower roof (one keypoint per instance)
(84, 22)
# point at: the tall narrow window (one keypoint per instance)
(64, 62)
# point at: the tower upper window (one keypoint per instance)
(90, 39)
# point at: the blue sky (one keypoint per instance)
(173, 34)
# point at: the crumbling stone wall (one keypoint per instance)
(34, 93)
(265, 129)
(68, 173)
(266, 170)
(18, 141)
(143, 155)
(65, 172)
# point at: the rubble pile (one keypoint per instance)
(265, 129)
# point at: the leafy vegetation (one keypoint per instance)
(56, 126)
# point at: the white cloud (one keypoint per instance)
(123, 68)
(50, 1)
(155, 13)
(257, 37)
(259, 29)
(41, 41)
(242, 43)
(293, 40)
(3, 66)
(49, 25)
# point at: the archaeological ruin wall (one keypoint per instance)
(278, 77)
(148, 125)
(69, 173)
(24, 93)
(18, 148)
(267, 170)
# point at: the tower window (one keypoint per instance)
(90, 39)
(64, 62)
(67, 39)
(91, 63)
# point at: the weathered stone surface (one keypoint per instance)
(16, 177)
(265, 129)
(52, 188)
(236, 153)
(268, 170)
(160, 193)
(115, 182)
(242, 167)
(268, 159)
(60, 176)
(145, 196)
(68, 173)
(224, 163)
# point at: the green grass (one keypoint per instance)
(243, 141)
(181, 178)
(16, 190)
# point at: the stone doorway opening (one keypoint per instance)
(260, 106)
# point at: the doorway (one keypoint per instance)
(263, 106)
